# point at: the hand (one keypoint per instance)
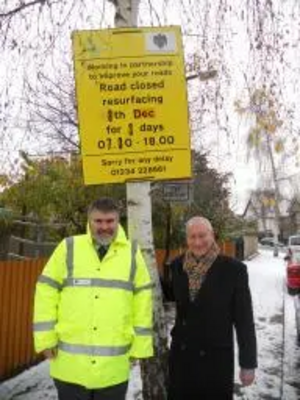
(50, 354)
(247, 376)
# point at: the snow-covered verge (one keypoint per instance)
(277, 346)
(291, 388)
(278, 352)
(266, 276)
(35, 384)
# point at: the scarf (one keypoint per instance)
(197, 268)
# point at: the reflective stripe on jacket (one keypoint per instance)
(98, 313)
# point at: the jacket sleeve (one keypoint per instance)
(244, 321)
(47, 296)
(142, 345)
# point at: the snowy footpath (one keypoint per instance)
(278, 375)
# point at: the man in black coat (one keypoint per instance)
(212, 297)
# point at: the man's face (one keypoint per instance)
(103, 226)
(199, 239)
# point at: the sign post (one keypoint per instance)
(133, 123)
(132, 105)
(178, 191)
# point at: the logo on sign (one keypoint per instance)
(160, 40)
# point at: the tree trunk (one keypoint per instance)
(276, 199)
(21, 249)
(154, 370)
(263, 217)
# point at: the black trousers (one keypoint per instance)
(200, 375)
(70, 391)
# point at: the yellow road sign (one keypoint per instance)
(132, 104)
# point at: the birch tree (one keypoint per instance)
(265, 141)
(139, 213)
(35, 33)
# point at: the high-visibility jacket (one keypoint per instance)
(97, 313)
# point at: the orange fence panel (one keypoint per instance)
(160, 257)
(17, 283)
(227, 248)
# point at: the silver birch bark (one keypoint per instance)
(139, 211)
(277, 198)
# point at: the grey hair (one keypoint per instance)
(104, 204)
(201, 221)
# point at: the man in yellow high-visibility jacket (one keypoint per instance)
(93, 309)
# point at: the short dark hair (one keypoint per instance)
(105, 205)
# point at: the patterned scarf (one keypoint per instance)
(197, 268)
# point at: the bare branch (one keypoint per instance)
(21, 8)
(203, 76)
(60, 133)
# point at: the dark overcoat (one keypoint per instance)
(201, 362)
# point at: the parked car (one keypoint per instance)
(293, 244)
(269, 242)
(293, 273)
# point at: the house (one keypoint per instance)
(261, 209)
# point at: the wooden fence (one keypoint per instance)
(227, 248)
(17, 283)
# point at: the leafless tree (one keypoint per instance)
(247, 47)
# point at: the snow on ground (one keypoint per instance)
(266, 277)
(35, 384)
(273, 309)
(278, 352)
(291, 388)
